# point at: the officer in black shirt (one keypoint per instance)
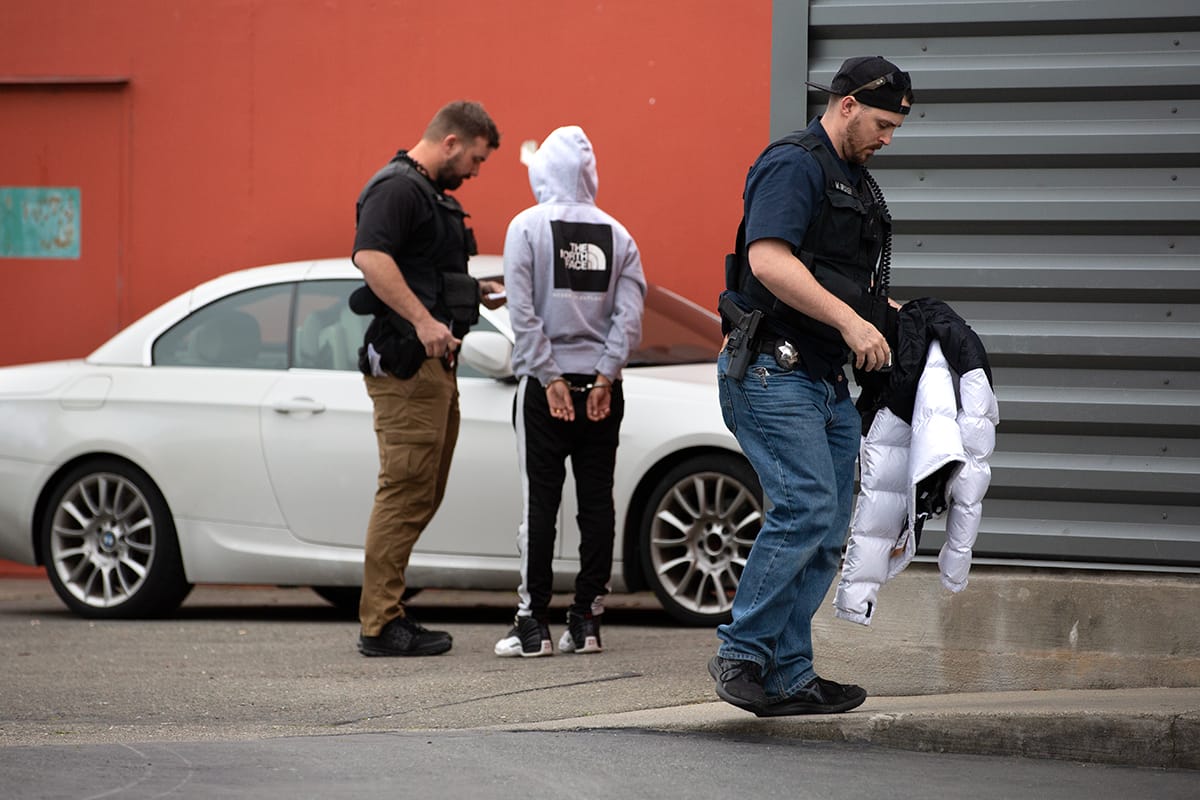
(412, 246)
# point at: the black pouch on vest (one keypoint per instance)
(875, 310)
(460, 295)
(395, 340)
(885, 319)
(364, 301)
(393, 337)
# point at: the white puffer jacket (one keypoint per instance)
(948, 428)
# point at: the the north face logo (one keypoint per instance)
(584, 255)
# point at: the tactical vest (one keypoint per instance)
(436, 273)
(841, 247)
(453, 242)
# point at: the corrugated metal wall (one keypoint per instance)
(1047, 185)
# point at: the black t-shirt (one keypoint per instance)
(395, 217)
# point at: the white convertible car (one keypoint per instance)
(226, 437)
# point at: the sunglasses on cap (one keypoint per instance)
(898, 79)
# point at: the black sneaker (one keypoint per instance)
(528, 638)
(739, 682)
(404, 637)
(818, 696)
(582, 634)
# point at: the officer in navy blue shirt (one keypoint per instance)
(809, 261)
(783, 195)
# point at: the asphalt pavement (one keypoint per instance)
(581, 765)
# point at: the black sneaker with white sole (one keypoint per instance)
(582, 634)
(528, 638)
(405, 637)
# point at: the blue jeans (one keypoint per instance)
(802, 441)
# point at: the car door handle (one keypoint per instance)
(298, 405)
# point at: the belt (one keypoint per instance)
(785, 352)
(767, 345)
(771, 344)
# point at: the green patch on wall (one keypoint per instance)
(39, 222)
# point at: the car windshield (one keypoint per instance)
(676, 331)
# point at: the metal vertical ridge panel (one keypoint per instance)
(892, 14)
(789, 63)
(1047, 186)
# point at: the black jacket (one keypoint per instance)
(919, 322)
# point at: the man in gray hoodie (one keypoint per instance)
(575, 290)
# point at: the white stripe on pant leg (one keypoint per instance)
(524, 602)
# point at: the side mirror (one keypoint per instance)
(488, 352)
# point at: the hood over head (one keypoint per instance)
(563, 169)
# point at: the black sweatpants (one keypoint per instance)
(543, 446)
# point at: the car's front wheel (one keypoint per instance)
(700, 521)
(109, 543)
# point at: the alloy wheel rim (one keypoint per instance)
(700, 537)
(102, 540)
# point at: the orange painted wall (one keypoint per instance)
(247, 128)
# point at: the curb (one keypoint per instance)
(1129, 727)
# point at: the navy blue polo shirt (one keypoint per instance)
(784, 191)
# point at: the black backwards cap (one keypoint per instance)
(872, 80)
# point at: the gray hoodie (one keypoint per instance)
(572, 272)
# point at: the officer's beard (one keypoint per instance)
(854, 149)
(447, 179)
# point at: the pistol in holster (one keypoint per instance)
(743, 327)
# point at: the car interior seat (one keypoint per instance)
(312, 349)
(230, 338)
(330, 338)
(346, 337)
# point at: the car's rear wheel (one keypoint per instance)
(109, 543)
(700, 521)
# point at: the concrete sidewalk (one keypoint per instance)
(1129, 727)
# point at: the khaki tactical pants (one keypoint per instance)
(416, 425)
